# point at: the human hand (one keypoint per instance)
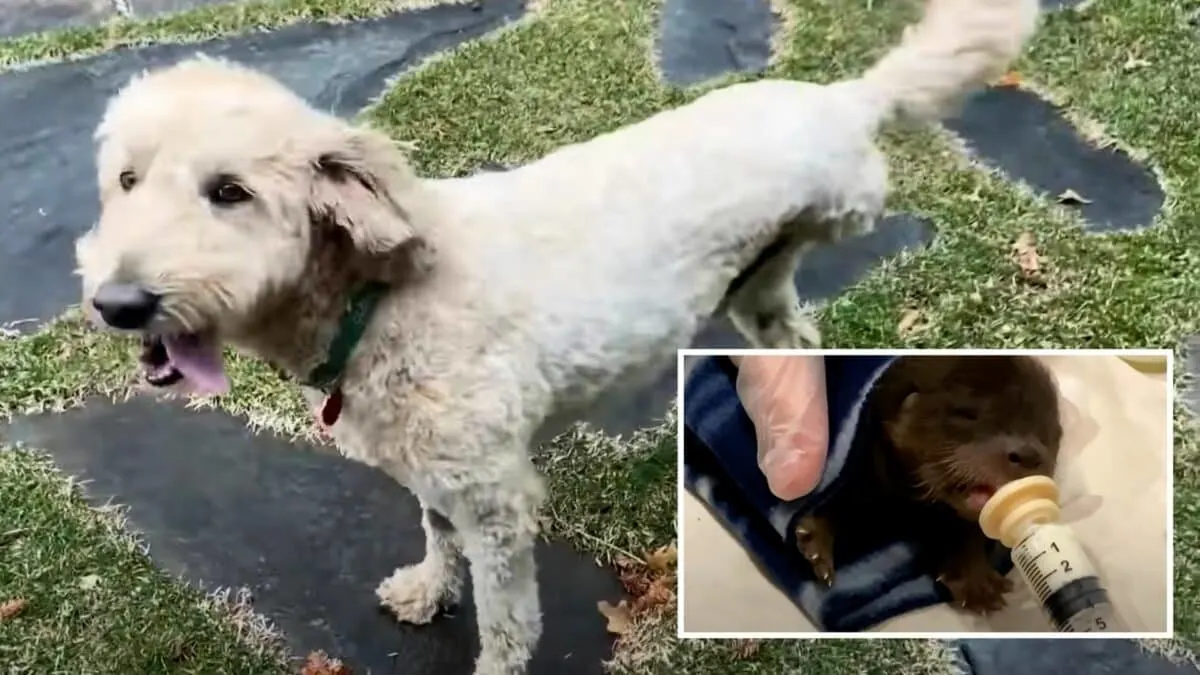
(785, 398)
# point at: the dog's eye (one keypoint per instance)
(127, 180)
(226, 192)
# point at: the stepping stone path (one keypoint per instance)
(704, 39)
(1028, 138)
(311, 533)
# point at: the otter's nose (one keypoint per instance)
(1025, 457)
(125, 306)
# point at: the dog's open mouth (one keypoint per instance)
(190, 359)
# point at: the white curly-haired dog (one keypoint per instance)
(448, 322)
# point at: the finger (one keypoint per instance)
(784, 396)
(794, 454)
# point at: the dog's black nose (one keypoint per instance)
(125, 306)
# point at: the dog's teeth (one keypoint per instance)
(164, 377)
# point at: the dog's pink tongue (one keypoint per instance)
(200, 361)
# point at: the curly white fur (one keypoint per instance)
(518, 297)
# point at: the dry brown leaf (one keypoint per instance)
(319, 663)
(1072, 197)
(659, 594)
(908, 322)
(635, 581)
(662, 559)
(746, 648)
(1010, 79)
(649, 583)
(618, 616)
(1027, 256)
(12, 608)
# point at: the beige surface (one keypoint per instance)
(1114, 475)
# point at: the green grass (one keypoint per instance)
(583, 67)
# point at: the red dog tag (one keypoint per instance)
(331, 409)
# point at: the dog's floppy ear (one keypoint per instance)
(365, 188)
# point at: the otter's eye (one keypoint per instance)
(226, 191)
(127, 179)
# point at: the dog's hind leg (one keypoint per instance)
(766, 309)
(416, 593)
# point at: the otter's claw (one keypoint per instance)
(814, 538)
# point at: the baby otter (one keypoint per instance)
(952, 430)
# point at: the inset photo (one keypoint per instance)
(1023, 493)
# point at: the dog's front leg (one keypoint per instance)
(498, 522)
(416, 593)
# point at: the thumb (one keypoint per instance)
(784, 396)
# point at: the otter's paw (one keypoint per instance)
(980, 590)
(814, 538)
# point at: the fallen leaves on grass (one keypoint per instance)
(661, 560)
(911, 321)
(620, 619)
(319, 663)
(12, 608)
(650, 583)
(1072, 197)
(746, 649)
(1028, 259)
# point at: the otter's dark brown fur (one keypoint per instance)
(953, 430)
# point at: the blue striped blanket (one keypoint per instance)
(875, 581)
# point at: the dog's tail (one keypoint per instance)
(958, 46)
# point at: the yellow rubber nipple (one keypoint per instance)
(1017, 505)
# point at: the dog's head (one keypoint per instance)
(221, 191)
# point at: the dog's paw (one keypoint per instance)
(417, 593)
(505, 662)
